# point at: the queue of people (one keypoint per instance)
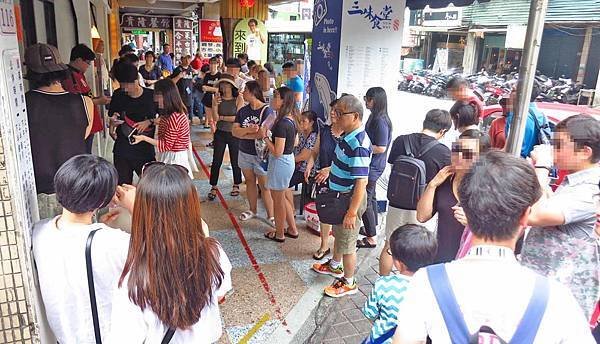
(163, 281)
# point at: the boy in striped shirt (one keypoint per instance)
(349, 174)
(411, 247)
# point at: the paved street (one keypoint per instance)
(277, 298)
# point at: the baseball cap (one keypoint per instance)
(233, 62)
(43, 58)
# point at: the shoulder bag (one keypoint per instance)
(92, 290)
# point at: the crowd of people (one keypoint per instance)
(470, 230)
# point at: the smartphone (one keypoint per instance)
(131, 138)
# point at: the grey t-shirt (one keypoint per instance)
(576, 199)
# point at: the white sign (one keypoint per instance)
(371, 45)
(515, 36)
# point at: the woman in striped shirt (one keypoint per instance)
(173, 138)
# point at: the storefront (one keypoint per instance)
(285, 47)
(496, 58)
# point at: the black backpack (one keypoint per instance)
(408, 177)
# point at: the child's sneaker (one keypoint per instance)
(326, 269)
(340, 288)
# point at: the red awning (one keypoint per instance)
(420, 4)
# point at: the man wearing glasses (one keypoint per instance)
(81, 59)
(349, 174)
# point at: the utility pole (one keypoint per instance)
(533, 38)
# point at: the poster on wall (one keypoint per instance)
(327, 28)
(370, 45)
(211, 38)
(250, 37)
(182, 36)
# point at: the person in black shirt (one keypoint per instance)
(59, 122)
(435, 126)
(132, 108)
(281, 164)
(209, 89)
(149, 70)
(183, 76)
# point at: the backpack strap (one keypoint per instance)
(444, 295)
(539, 128)
(168, 336)
(92, 290)
(407, 148)
(427, 148)
(530, 323)
(262, 111)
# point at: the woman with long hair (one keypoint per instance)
(173, 139)
(174, 275)
(226, 103)
(250, 124)
(281, 163)
(379, 129)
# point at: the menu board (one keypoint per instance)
(211, 38)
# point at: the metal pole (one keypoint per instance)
(531, 51)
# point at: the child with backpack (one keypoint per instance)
(411, 247)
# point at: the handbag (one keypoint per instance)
(92, 290)
(572, 261)
(262, 152)
(332, 206)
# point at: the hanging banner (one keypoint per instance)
(250, 38)
(141, 21)
(211, 38)
(182, 36)
(371, 45)
(326, 34)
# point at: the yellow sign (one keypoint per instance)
(250, 37)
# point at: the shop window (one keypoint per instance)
(49, 19)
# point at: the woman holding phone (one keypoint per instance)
(173, 139)
(226, 103)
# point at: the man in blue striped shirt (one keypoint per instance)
(349, 174)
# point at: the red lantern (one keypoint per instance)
(247, 3)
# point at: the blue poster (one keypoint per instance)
(325, 57)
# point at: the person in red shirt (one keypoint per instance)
(197, 61)
(497, 128)
(458, 89)
(173, 139)
(81, 59)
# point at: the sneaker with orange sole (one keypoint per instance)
(340, 288)
(326, 269)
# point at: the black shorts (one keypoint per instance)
(207, 100)
(297, 178)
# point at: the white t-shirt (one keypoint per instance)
(60, 259)
(268, 95)
(254, 46)
(132, 325)
(493, 291)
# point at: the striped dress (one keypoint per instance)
(383, 303)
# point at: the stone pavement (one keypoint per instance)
(342, 320)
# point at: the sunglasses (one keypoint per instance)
(340, 114)
(160, 163)
(466, 153)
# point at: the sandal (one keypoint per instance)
(273, 236)
(321, 254)
(235, 191)
(291, 236)
(212, 194)
(364, 243)
(247, 215)
(272, 221)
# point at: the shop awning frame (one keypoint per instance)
(420, 4)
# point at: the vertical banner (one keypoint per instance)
(250, 38)
(371, 44)
(182, 36)
(325, 56)
(211, 38)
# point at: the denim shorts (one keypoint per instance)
(280, 171)
(250, 162)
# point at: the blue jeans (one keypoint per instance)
(197, 108)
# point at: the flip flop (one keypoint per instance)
(212, 194)
(247, 215)
(291, 236)
(272, 236)
(321, 254)
(235, 191)
(364, 243)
